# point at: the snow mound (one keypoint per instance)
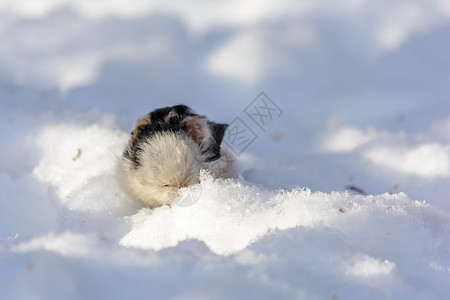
(80, 163)
(428, 160)
(231, 214)
(366, 266)
(66, 244)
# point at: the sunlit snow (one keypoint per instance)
(342, 192)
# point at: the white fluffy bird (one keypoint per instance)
(167, 150)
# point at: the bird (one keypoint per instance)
(166, 151)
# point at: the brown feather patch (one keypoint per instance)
(140, 124)
(194, 129)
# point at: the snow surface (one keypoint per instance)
(345, 195)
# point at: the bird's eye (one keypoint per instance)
(166, 185)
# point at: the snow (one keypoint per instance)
(341, 194)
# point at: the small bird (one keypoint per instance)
(166, 151)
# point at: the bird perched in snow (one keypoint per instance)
(166, 151)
